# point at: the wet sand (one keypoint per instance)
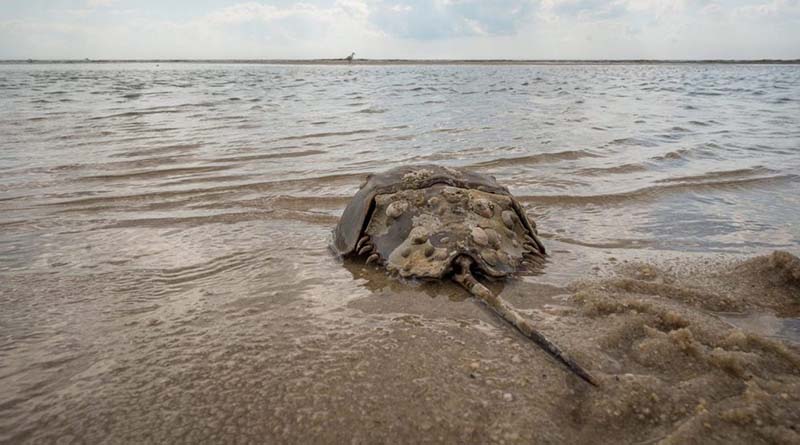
(417, 363)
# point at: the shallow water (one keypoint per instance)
(170, 222)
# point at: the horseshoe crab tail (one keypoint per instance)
(508, 313)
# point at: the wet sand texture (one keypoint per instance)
(397, 364)
(678, 375)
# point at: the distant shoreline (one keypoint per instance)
(410, 61)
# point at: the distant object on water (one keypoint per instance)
(349, 58)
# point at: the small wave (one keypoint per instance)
(209, 179)
(401, 137)
(679, 130)
(325, 135)
(121, 165)
(704, 93)
(291, 154)
(230, 117)
(610, 244)
(540, 158)
(135, 114)
(150, 174)
(448, 130)
(633, 142)
(176, 148)
(672, 155)
(228, 218)
(372, 110)
(653, 192)
(725, 174)
(213, 193)
(285, 203)
(617, 169)
(166, 280)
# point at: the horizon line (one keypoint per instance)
(399, 61)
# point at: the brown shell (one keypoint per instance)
(461, 212)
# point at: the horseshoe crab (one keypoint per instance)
(431, 222)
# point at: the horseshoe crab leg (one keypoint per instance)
(511, 315)
(364, 240)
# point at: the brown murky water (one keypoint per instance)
(164, 272)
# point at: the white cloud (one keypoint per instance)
(99, 3)
(775, 8)
(252, 11)
(408, 29)
(446, 19)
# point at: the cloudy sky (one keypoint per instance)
(526, 29)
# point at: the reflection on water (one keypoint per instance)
(165, 224)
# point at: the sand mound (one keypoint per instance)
(673, 373)
(781, 269)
